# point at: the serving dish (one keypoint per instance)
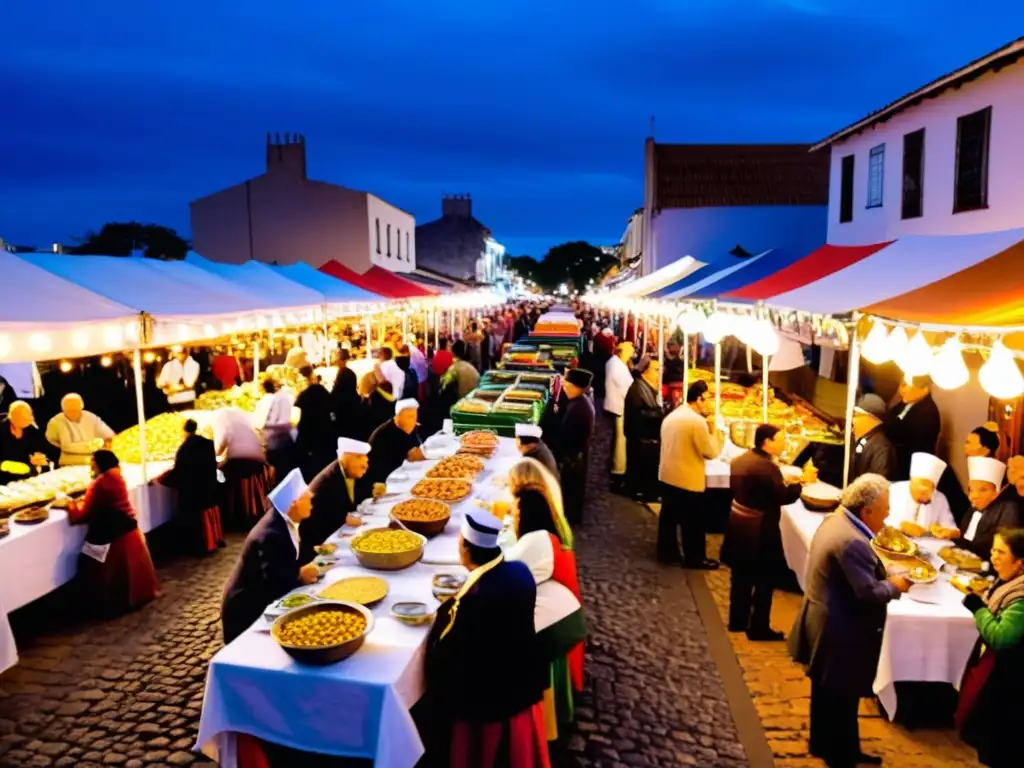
(460, 466)
(894, 543)
(32, 516)
(450, 490)
(446, 585)
(323, 632)
(423, 516)
(296, 599)
(961, 559)
(384, 549)
(363, 590)
(820, 497)
(413, 613)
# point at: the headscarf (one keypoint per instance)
(530, 475)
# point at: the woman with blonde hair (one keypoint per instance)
(544, 543)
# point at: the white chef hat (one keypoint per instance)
(348, 445)
(927, 467)
(481, 528)
(985, 469)
(529, 430)
(288, 491)
(405, 405)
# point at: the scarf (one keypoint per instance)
(474, 577)
(1002, 593)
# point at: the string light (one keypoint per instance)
(80, 339)
(949, 371)
(39, 342)
(765, 339)
(66, 366)
(918, 358)
(106, 361)
(148, 357)
(876, 348)
(5, 346)
(717, 327)
(897, 344)
(1000, 376)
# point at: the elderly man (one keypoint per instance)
(641, 423)
(337, 491)
(575, 427)
(686, 443)
(23, 447)
(178, 379)
(396, 441)
(917, 502)
(78, 433)
(873, 451)
(838, 632)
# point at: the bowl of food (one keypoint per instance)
(384, 549)
(446, 489)
(820, 497)
(363, 590)
(413, 613)
(970, 583)
(961, 559)
(423, 516)
(325, 549)
(894, 543)
(459, 467)
(288, 603)
(446, 585)
(323, 632)
(921, 572)
(912, 529)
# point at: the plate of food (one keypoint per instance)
(450, 490)
(894, 543)
(461, 466)
(413, 613)
(912, 529)
(921, 572)
(942, 532)
(961, 559)
(821, 497)
(970, 583)
(423, 516)
(290, 602)
(479, 438)
(791, 473)
(325, 549)
(32, 516)
(364, 590)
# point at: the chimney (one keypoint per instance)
(458, 206)
(287, 154)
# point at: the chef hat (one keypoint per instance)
(581, 377)
(405, 405)
(288, 491)
(927, 467)
(348, 445)
(986, 469)
(529, 430)
(481, 528)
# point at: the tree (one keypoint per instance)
(578, 264)
(121, 238)
(526, 267)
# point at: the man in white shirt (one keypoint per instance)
(417, 359)
(178, 379)
(617, 381)
(77, 432)
(274, 411)
(388, 370)
(918, 502)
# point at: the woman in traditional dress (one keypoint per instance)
(544, 543)
(194, 476)
(114, 566)
(485, 673)
(989, 712)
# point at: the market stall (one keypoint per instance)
(377, 686)
(504, 399)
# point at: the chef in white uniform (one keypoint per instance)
(178, 379)
(993, 506)
(917, 501)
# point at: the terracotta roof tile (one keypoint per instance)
(706, 175)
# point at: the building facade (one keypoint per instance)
(458, 245)
(947, 159)
(704, 200)
(282, 216)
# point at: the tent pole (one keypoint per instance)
(405, 325)
(369, 331)
(852, 378)
(764, 388)
(436, 322)
(661, 358)
(256, 360)
(140, 407)
(718, 382)
(686, 362)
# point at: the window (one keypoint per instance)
(876, 176)
(398, 242)
(377, 222)
(389, 241)
(408, 253)
(913, 175)
(972, 135)
(846, 190)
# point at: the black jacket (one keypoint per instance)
(331, 504)
(876, 454)
(195, 474)
(1004, 512)
(267, 569)
(543, 454)
(344, 401)
(12, 448)
(912, 431)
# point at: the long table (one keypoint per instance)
(928, 634)
(360, 706)
(37, 559)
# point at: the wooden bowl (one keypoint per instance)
(327, 654)
(428, 528)
(386, 561)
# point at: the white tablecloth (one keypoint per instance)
(358, 707)
(923, 642)
(36, 559)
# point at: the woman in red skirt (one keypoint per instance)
(115, 566)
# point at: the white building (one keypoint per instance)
(946, 159)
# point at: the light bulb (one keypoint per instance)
(876, 348)
(5, 346)
(80, 339)
(149, 357)
(765, 339)
(949, 371)
(744, 328)
(691, 321)
(1000, 376)
(112, 336)
(717, 327)
(897, 344)
(39, 342)
(106, 361)
(209, 330)
(66, 366)
(917, 361)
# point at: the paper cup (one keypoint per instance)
(448, 427)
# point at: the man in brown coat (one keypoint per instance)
(755, 543)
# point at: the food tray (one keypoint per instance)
(362, 590)
(962, 559)
(449, 491)
(325, 654)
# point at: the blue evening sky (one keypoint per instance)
(116, 110)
